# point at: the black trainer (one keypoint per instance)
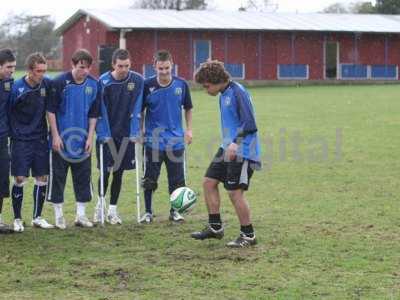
(242, 241)
(208, 233)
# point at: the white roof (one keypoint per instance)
(116, 19)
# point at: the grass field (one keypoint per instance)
(325, 209)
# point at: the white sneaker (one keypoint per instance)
(39, 222)
(18, 225)
(176, 217)
(83, 221)
(114, 219)
(146, 218)
(60, 223)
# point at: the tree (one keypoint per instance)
(336, 8)
(391, 7)
(353, 8)
(259, 5)
(26, 34)
(363, 8)
(171, 4)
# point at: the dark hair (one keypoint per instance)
(121, 54)
(6, 55)
(81, 55)
(34, 59)
(162, 55)
(213, 72)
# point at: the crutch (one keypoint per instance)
(102, 198)
(137, 166)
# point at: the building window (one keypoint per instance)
(148, 70)
(293, 71)
(236, 71)
(384, 72)
(353, 71)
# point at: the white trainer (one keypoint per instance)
(83, 221)
(114, 219)
(61, 223)
(18, 225)
(146, 218)
(176, 217)
(39, 222)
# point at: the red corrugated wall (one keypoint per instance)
(261, 52)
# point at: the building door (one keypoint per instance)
(105, 58)
(331, 60)
(202, 51)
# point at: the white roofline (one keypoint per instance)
(139, 19)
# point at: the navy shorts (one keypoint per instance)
(81, 179)
(121, 158)
(234, 174)
(29, 157)
(4, 168)
(174, 164)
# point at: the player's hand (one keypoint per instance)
(88, 146)
(231, 151)
(57, 143)
(188, 137)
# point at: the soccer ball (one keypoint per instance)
(183, 199)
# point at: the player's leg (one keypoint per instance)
(215, 174)
(116, 184)
(154, 159)
(237, 181)
(4, 180)
(176, 178)
(40, 170)
(21, 162)
(125, 162)
(81, 179)
(107, 164)
(58, 177)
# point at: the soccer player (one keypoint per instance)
(7, 69)
(118, 126)
(72, 114)
(237, 157)
(163, 98)
(29, 144)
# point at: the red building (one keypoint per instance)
(253, 45)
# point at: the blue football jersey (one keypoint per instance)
(5, 92)
(27, 109)
(121, 104)
(163, 120)
(74, 104)
(238, 121)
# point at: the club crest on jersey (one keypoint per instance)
(43, 92)
(7, 86)
(178, 91)
(131, 86)
(89, 90)
(227, 101)
(21, 90)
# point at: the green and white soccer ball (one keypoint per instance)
(183, 199)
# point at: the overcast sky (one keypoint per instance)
(61, 10)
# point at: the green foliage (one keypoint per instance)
(328, 226)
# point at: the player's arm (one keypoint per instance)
(188, 106)
(188, 132)
(94, 113)
(52, 107)
(136, 120)
(247, 123)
